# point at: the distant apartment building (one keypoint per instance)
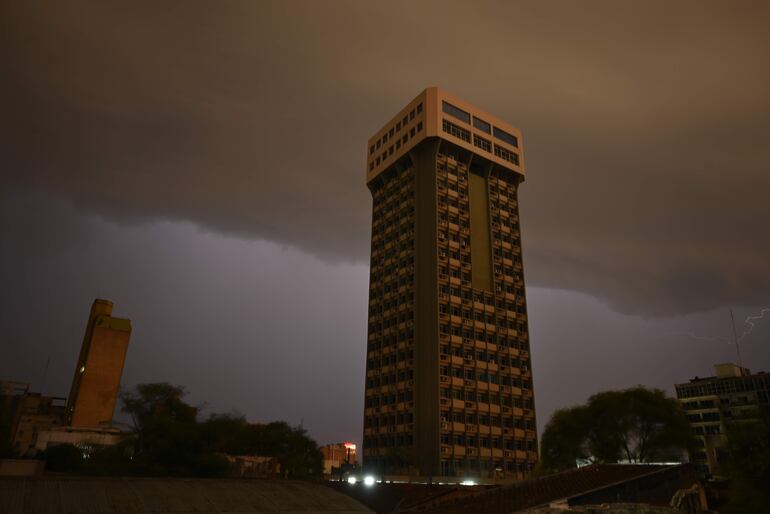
(96, 382)
(713, 403)
(335, 456)
(448, 367)
(27, 415)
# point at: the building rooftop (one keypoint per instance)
(438, 113)
(726, 371)
(596, 484)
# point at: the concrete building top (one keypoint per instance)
(438, 113)
(730, 370)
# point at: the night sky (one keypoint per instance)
(202, 164)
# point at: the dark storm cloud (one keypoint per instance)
(646, 125)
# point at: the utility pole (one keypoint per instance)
(735, 338)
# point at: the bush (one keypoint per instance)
(63, 457)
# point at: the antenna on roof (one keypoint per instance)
(735, 338)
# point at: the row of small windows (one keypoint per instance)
(479, 335)
(388, 285)
(392, 321)
(396, 147)
(476, 314)
(482, 143)
(703, 404)
(392, 133)
(483, 356)
(398, 222)
(500, 340)
(451, 468)
(465, 294)
(390, 399)
(391, 358)
(405, 338)
(405, 300)
(487, 420)
(456, 131)
(397, 128)
(480, 124)
(482, 376)
(506, 137)
(388, 420)
(388, 441)
(506, 155)
(704, 416)
(478, 141)
(487, 398)
(393, 180)
(723, 386)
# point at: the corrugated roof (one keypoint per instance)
(76, 495)
(541, 491)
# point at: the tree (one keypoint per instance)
(747, 464)
(168, 438)
(7, 407)
(297, 453)
(149, 400)
(227, 433)
(63, 457)
(635, 425)
(564, 439)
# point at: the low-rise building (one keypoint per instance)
(338, 455)
(32, 422)
(30, 414)
(713, 403)
(85, 438)
(254, 466)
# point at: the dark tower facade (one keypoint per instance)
(448, 369)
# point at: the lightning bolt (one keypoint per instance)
(751, 322)
(693, 335)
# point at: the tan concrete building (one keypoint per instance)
(336, 455)
(448, 371)
(712, 404)
(95, 386)
(30, 414)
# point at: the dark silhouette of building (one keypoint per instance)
(448, 369)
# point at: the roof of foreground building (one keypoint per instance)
(641, 484)
(75, 495)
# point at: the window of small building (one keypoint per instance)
(505, 136)
(456, 112)
(482, 125)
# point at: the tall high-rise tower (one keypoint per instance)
(95, 386)
(448, 369)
